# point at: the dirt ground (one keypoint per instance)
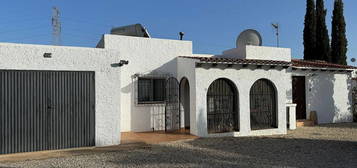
(333, 145)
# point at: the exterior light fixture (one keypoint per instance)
(123, 62)
(47, 55)
(120, 63)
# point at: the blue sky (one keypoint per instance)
(212, 25)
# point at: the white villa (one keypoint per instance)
(55, 97)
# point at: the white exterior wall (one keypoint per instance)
(260, 53)
(186, 69)
(329, 94)
(107, 85)
(244, 80)
(146, 56)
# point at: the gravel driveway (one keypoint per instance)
(322, 146)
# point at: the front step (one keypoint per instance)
(304, 123)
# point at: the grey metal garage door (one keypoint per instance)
(46, 110)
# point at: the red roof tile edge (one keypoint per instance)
(318, 64)
(239, 61)
(297, 63)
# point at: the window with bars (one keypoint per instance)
(151, 90)
(263, 111)
(222, 107)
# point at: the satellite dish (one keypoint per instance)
(353, 59)
(249, 37)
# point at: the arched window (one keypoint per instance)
(263, 111)
(222, 107)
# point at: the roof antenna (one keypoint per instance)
(56, 26)
(181, 35)
(276, 27)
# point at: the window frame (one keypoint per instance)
(152, 90)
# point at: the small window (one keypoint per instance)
(151, 90)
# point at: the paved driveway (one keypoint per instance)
(322, 146)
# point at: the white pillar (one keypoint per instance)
(292, 115)
(244, 113)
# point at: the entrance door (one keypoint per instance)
(172, 106)
(45, 110)
(299, 96)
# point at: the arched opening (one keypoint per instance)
(222, 107)
(263, 111)
(185, 103)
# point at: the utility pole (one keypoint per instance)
(276, 27)
(56, 26)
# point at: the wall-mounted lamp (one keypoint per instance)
(47, 55)
(121, 63)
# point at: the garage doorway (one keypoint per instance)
(299, 96)
(46, 110)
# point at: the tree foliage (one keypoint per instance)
(322, 36)
(310, 31)
(339, 40)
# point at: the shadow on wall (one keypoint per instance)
(245, 152)
(201, 125)
(321, 91)
(321, 98)
(289, 94)
(149, 116)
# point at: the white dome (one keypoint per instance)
(249, 37)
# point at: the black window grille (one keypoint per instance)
(172, 107)
(151, 90)
(222, 107)
(263, 110)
